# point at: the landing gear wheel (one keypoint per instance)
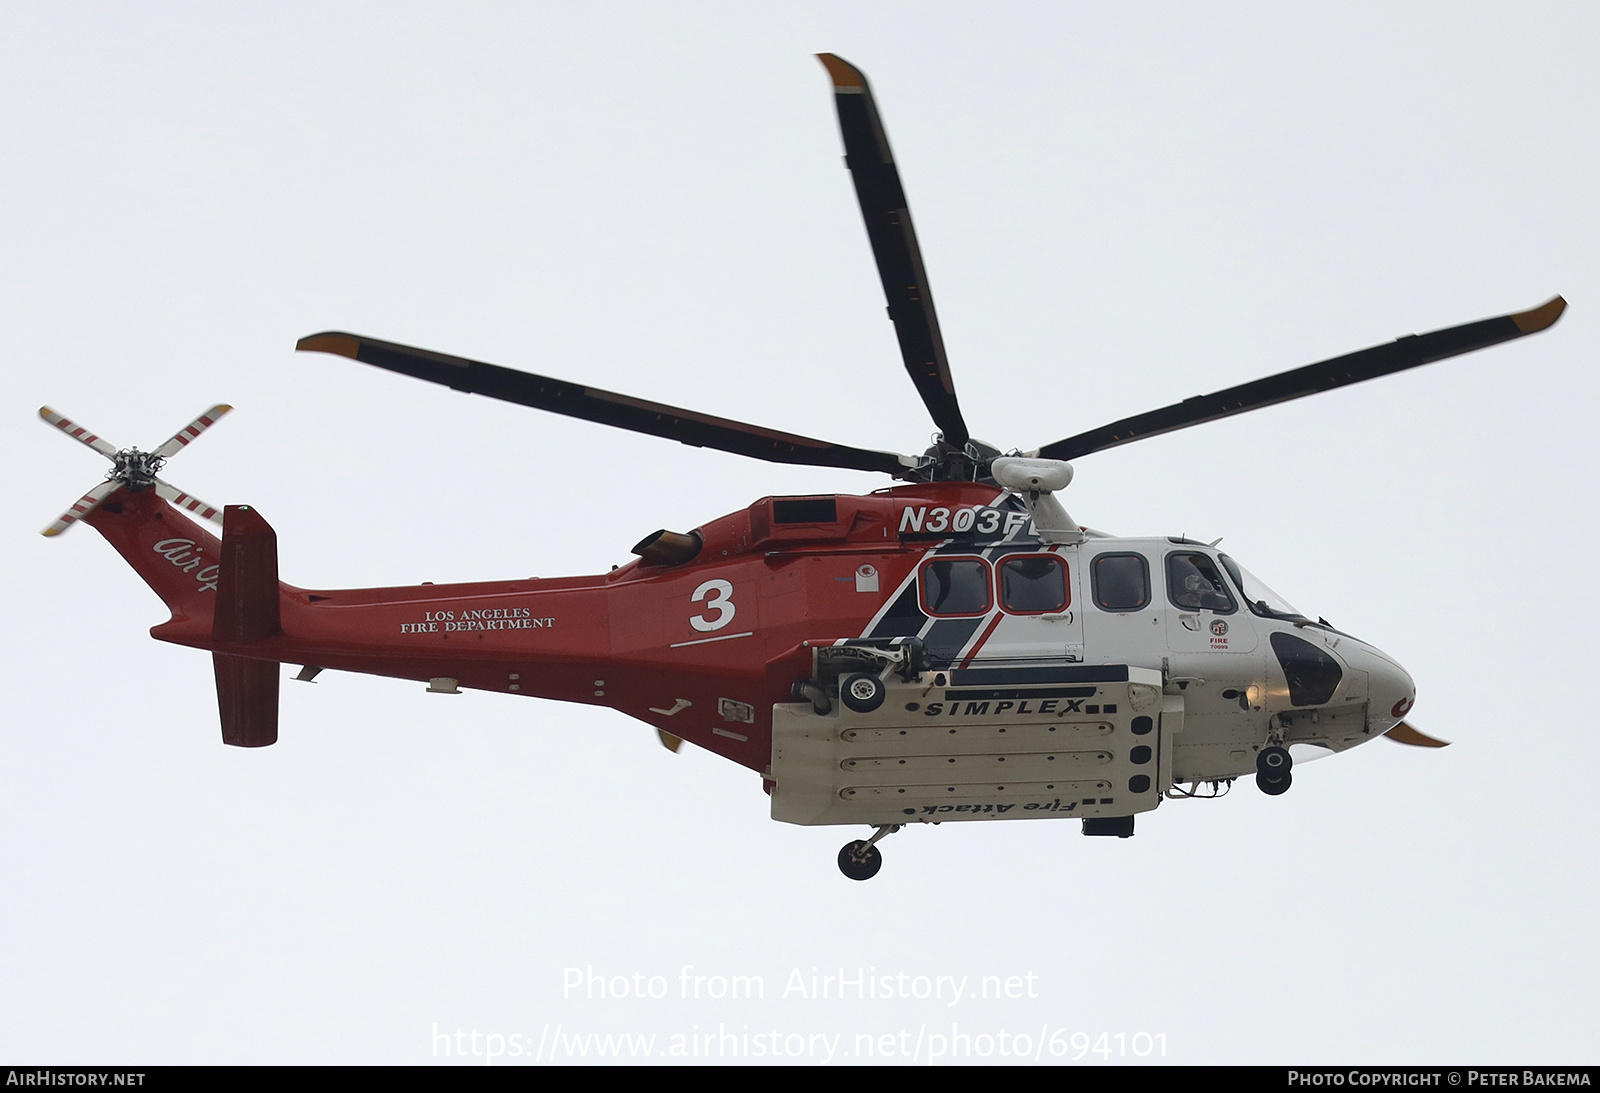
(862, 693)
(1274, 784)
(860, 860)
(1274, 761)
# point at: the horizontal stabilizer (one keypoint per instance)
(247, 697)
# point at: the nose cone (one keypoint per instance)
(1390, 688)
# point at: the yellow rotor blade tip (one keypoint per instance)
(845, 75)
(342, 344)
(1540, 318)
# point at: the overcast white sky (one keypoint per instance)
(1119, 207)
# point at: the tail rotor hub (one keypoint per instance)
(135, 469)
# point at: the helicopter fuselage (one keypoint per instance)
(920, 584)
(954, 648)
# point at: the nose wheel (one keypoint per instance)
(861, 859)
(1272, 770)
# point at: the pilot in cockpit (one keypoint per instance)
(1195, 584)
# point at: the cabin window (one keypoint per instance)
(1194, 584)
(1033, 584)
(956, 586)
(1121, 582)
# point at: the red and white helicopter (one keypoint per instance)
(954, 647)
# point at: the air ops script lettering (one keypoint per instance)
(477, 618)
(184, 554)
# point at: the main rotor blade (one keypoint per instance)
(894, 245)
(605, 407)
(1381, 360)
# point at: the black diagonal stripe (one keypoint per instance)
(904, 619)
(947, 637)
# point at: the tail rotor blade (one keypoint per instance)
(186, 435)
(894, 245)
(78, 432)
(1405, 734)
(188, 502)
(82, 507)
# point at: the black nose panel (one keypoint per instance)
(1313, 675)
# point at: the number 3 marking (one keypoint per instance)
(721, 601)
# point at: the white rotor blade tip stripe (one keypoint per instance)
(187, 502)
(184, 436)
(82, 507)
(78, 432)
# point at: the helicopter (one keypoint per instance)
(953, 647)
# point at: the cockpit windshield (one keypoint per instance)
(1258, 597)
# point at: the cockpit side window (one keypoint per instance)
(1194, 584)
(956, 586)
(1121, 582)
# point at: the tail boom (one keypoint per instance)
(179, 559)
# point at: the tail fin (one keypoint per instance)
(247, 587)
(246, 611)
(247, 698)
